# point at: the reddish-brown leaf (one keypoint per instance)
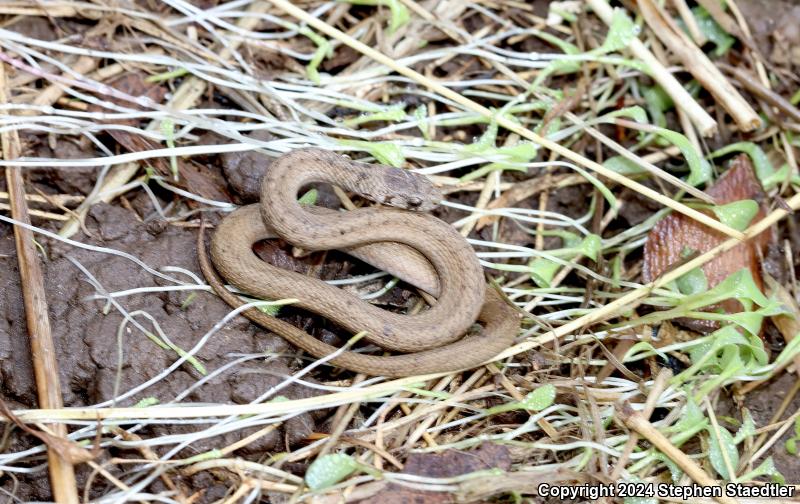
(676, 232)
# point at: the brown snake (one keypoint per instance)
(415, 247)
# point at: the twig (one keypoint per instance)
(749, 82)
(43, 352)
(705, 124)
(698, 64)
(637, 422)
(39, 213)
(690, 21)
(659, 384)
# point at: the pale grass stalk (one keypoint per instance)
(698, 64)
(37, 320)
(186, 96)
(502, 121)
(705, 124)
(636, 422)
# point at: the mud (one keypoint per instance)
(86, 337)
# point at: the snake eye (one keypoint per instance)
(414, 202)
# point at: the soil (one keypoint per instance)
(86, 337)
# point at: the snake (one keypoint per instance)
(397, 236)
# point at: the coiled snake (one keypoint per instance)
(415, 247)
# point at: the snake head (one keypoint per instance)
(407, 190)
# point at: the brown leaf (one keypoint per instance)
(676, 232)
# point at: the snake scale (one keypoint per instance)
(404, 241)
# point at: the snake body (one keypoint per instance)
(414, 246)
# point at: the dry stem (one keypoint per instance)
(43, 352)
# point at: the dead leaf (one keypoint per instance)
(676, 232)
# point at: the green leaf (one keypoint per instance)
(791, 446)
(488, 139)
(713, 31)
(558, 9)
(605, 191)
(635, 112)
(699, 168)
(623, 166)
(744, 287)
(720, 441)
(779, 177)
(562, 44)
(309, 198)
(542, 271)
(656, 97)
(391, 114)
(791, 350)
(761, 163)
(324, 49)
(692, 282)
(620, 33)
(616, 270)
(388, 154)
(738, 285)
(540, 398)
(674, 471)
(328, 470)
(658, 102)
(591, 246)
(691, 418)
(399, 13)
(737, 214)
(568, 238)
(147, 401)
(172, 74)
(642, 347)
(767, 468)
(421, 115)
(168, 130)
(385, 152)
(200, 457)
